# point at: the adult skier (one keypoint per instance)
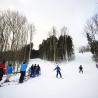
(23, 68)
(80, 69)
(2, 69)
(38, 70)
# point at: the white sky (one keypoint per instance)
(47, 13)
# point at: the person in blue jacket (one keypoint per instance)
(9, 72)
(23, 68)
(58, 70)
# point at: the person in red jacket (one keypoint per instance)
(2, 69)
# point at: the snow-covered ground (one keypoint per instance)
(73, 84)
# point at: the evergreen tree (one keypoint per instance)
(54, 49)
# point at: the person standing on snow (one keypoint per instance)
(2, 69)
(96, 65)
(9, 72)
(32, 71)
(58, 70)
(80, 69)
(23, 68)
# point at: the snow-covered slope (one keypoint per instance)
(73, 84)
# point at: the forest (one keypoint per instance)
(16, 43)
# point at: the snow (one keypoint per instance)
(73, 84)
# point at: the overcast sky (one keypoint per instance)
(45, 14)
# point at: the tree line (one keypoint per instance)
(91, 30)
(16, 40)
(57, 49)
(15, 36)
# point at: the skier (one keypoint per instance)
(38, 70)
(1, 73)
(80, 69)
(2, 69)
(96, 65)
(9, 72)
(58, 69)
(22, 71)
(32, 71)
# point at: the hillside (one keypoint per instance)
(73, 84)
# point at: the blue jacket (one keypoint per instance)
(9, 69)
(23, 67)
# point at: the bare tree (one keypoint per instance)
(4, 32)
(15, 32)
(12, 30)
(64, 30)
(91, 30)
(32, 29)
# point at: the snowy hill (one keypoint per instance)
(73, 84)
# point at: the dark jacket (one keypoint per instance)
(57, 68)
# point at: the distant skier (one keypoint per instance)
(96, 65)
(34, 70)
(58, 70)
(80, 68)
(22, 71)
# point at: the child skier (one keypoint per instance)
(58, 70)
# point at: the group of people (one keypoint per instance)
(33, 71)
(6, 70)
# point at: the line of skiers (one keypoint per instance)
(33, 71)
